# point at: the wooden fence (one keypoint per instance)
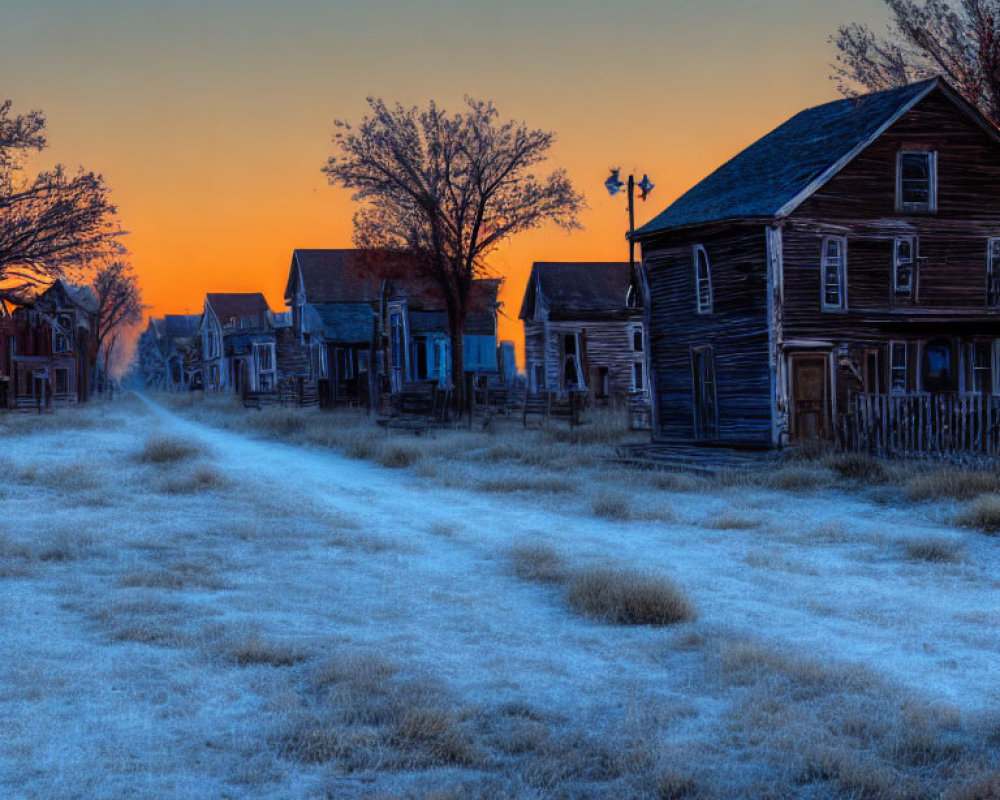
(921, 424)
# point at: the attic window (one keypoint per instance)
(231, 322)
(916, 182)
(703, 280)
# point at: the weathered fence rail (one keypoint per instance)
(921, 424)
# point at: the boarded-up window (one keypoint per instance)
(703, 280)
(833, 272)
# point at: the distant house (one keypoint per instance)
(52, 347)
(836, 280)
(372, 323)
(238, 344)
(168, 352)
(583, 331)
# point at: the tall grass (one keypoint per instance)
(626, 597)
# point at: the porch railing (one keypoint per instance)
(921, 424)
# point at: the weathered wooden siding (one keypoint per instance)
(604, 344)
(737, 330)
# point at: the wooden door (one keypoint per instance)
(706, 416)
(811, 397)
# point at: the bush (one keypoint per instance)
(626, 597)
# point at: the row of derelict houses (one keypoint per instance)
(837, 280)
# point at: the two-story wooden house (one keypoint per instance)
(52, 347)
(238, 344)
(583, 331)
(846, 262)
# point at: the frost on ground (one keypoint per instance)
(188, 611)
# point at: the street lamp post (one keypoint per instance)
(614, 185)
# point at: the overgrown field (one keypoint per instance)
(293, 604)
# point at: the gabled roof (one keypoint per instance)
(345, 276)
(341, 322)
(569, 289)
(180, 326)
(778, 172)
(250, 306)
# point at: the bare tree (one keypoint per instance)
(449, 188)
(962, 43)
(119, 305)
(52, 221)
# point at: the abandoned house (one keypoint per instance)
(836, 280)
(583, 331)
(52, 350)
(238, 344)
(372, 323)
(168, 352)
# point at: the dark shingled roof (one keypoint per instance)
(343, 322)
(571, 289)
(181, 326)
(250, 306)
(797, 156)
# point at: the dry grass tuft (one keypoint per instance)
(858, 467)
(678, 482)
(732, 520)
(161, 449)
(627, 597)
(253, 651)
(399, 454)
(798, 478)
(671, 784)
(611, 505)
(201, 478)
(982, 514)
(77, 476)
(952, 483)
(934, 549)
(537, 562)
(527, 482)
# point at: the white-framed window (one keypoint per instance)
(980, 367)
(904, 265)
(322, 367)
(635, 338)
(993, 272)
(898, 373)
(916, 181)
(572, 368)
(702, 280)
(638, 376)
(833, 273)
(62, 334)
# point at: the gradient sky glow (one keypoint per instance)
(210, 119)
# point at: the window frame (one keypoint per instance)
(974, 369)
(703, 306)
(638, 376)
(908, 291)
(581, 383)
(634, 331)
(894, 368)
(841, 267)
(992, 272)
(931, 205)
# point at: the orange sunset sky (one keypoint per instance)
(210, 120)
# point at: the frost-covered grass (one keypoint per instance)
(250, 613)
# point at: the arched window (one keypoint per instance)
(702, 280)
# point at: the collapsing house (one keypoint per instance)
(836, 281)
(583, 331)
